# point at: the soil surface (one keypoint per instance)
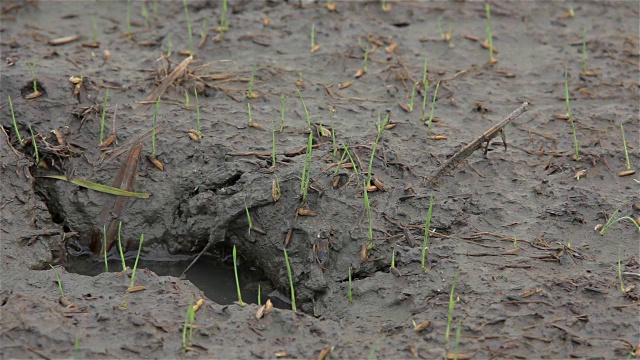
(512, 239)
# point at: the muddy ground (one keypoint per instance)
(513, 229)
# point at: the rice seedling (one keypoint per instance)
(188, 323)
(515, 242)
(299, 82)
(306, 111)
(353, 163)
(457, 344)
(613, 219)
(489, 39)
(95, 30)
(259, 296)
(32, 65)
(433, 104)
(628, 171)
(452, 304)
(413, 96)
(250, 93)
(425, 84)
(203, 30)
(129, 34)
(367, 207)
(273, 143)
(15, 123)
(576, 155)
(246, 209)
(293, 293)
(306, 170)
(145, 14)
(35, 146)
(76, 347)
(620, 268)
(314, 46)
(344, 154)
(124, 265)
(350, 288)
(333, 133)
(104, 247)
(224, 23)
(235, 271)
(584, 50)
(135, 264)
(282, 113)
(380, 127)
(249, 114)
(59, 281)
(198, 132)
(155, 9)
(425, 242)
(104, 115)
(190, 33)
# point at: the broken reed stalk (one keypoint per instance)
(433, 104)
(58, 279)
(235, 271)
(104, 115)
(35, 146)
(153, 129)
(15, 123)
(124, 265)
(452, 303)
(135, 264)
(425, 242)
(306, 169)
(293, 293)
(186, 14)
(576, 156)
(104, 245)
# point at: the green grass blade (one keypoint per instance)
(99, 187)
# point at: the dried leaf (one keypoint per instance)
(185, 53)
(92, 44)
(422, 326)
(268, 306)
(530, 292)
(135, 288)
(59, 137)
(336, 182)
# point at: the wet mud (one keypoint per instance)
(512, 227)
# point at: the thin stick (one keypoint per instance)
(478, 143)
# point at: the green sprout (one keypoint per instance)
(124, 265)
(393, 258)
(457, 344)
(313, 37)
(571, 12)
(293, 293)
(273, 143)
(95, 30)
(515, 242)
(306, 111)
(250, 93)
(104, 115)
(278, 192)
(186, 14)
(76, 347)
(249, 112)
(487, 8)
(452, 304)
(153, 129)
(350, 291)
(613, 219)
(224, 23)
(104, 244)
(155, 9)
(15, 123)
(366, 60)
(380, 127)
(59, 281)
(282, 113)
(425, 243)
(145, 14)
(413, 96)
(433, 104)
(235, 271)
(31, 65)
(187, 101)
(35, 146)
(203, 29)
(353, 163)
(188, 322)
(624, 143)
(576, 156)
(259, 296)
(367, 207)
(584, 50)
(333, 134)
(425, 84)
(620, 267)
(246, 209)
(306, 169)
(129, 19)
(344, 154)
(135, 264)
(198, 132)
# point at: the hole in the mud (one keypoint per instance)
(27, 90)
(213, 276)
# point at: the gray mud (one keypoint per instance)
(534, 280)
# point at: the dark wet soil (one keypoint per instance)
(514, 230)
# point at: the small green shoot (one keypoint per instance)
(250, 93)
(155, 9)
(235, 271)
(306, 111)
(278, 192)
(386, 7)
(104, 115)
(76, 347)
(198, 132)
(457, 344)
(366, 60)
(129, 34)
(273, 143)
(425, 242)
(584, 50)
(31, 65)
(59, 281)
(380, 127)
(624, 144)
(433, 104)
(489, 39)
(353, 163)
(35, 146)
(282, 113)
(425, 85)
(306, 170)
(293, 293)
(153, 129)
(413, 97)
(15, 123)
(333, 134)
(124, 265)
(145, 14)
(613, 219)
(367, 207)
(620, 268)
(224, 23)
(135, 264)
(95, 29)
(576, 155)
(249, 113)
(246, 209)
(452, 303)
(187, 101)
(350, 289)
(515, 242)
(259, 295)
(203, 30)
(104, 247)
(188, 323)
(190, 33)
(314, 46)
